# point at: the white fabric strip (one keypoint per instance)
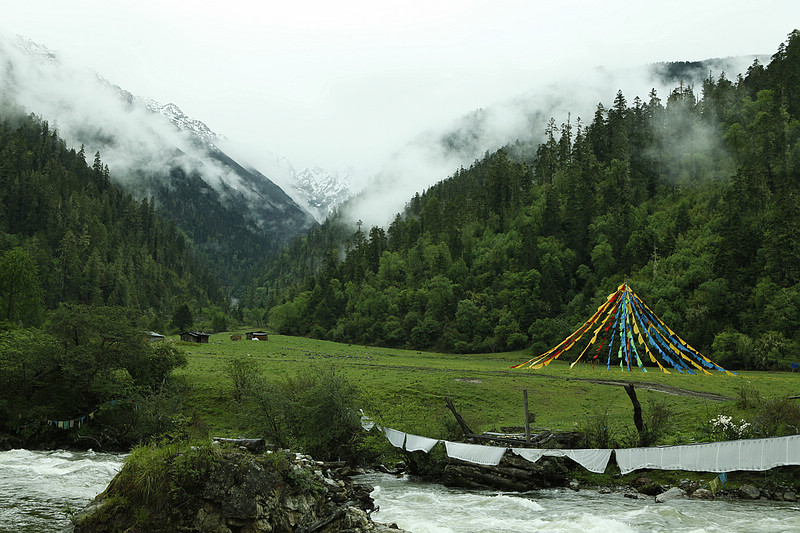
(592, 460)
(529, 454)
(727, 456)
(367, 423)
(397, 438)
(415, 443)
(475, 453)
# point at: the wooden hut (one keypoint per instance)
(194, 336)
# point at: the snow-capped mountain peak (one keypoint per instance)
(183, 121)
(323, 190)
(35, 49)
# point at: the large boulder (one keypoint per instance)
(222, 490)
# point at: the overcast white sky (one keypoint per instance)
(345, 83)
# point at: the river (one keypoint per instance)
(37, 487)
(431, 508)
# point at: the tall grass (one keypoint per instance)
(155, 473)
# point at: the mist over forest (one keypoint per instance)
(689, 195)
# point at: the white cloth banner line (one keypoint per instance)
(591, 459)
(397, 438)
(475, 453)
(415, 443)
(726, 456)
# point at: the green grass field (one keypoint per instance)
(405, 389)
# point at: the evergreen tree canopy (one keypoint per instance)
(68, 235)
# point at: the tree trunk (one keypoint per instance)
(464, 426)
(637, 408)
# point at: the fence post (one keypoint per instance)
(527, 422)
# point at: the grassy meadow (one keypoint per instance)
(405, 389)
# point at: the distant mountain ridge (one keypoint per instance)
(182, 121)
(318, 190)
(235, 216)
(436, 154)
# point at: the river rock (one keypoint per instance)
(750, 492)
(703, 494)
(651, 489)
(647, 486)
(790, 496)
(689, 485)
(672, 494)
(239, 492)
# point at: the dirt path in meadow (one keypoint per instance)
(658, 387)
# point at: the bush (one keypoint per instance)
(242, 371)
(747, 396)
(269, 417)
(724, 428)
(773, 351)
(159, 414)
(156, 363)
(322, 413)
(778, 418)
(315, 411)
(732, 350)
(596, 432)
(656, 422)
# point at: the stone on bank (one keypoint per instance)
(228, 490)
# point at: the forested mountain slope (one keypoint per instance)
(694, 199)
(69, 235)
(234, 216)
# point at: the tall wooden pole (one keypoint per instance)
(527, 423)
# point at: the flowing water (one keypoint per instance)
(430, 508)
(37, 487)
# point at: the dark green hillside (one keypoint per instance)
(231, 233)
(692, 197)
(82, 240)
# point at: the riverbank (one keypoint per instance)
(35, 488)
(239, 486)
(406, 389)
(515, 474)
